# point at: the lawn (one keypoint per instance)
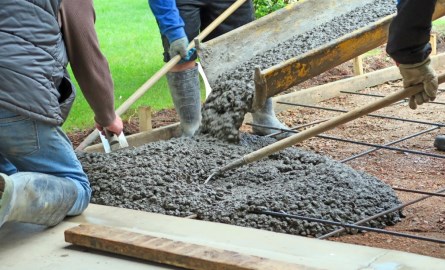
(129, 38)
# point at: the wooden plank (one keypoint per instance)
(358, 65)
(433, 42)
(166, 251)
(144, 113)
(319, 93)
(134, 140)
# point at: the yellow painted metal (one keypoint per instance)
(281, 77)
(227, 52)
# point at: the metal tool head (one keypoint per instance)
(113, 142)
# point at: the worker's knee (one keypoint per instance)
(83, 198)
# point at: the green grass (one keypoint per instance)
(130, 39)
(439, 25)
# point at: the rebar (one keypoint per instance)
(356, 142)
(292, 128)
(396, 208)
(370, 115)
(388, 144)
(419, 192)
(375, 95)
(352, 226)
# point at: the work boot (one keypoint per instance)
(266, 117)
(35, 198)
(439, 142)
(186, 94)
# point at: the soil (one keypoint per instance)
(395, 168)
(398, 169)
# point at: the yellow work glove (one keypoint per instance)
(420, 73)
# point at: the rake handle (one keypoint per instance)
(320, 128)
(158, 75)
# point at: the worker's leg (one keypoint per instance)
(185, 90)
(46, 154)
(183, 79)
(35, 198)
(439, 142)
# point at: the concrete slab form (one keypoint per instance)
(25, 246)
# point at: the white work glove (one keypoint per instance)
(179, 46)
(420, 73)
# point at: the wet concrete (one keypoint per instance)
(167, 177)
(231, 97)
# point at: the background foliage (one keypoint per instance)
(264, 7)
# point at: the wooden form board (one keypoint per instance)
(144, 113)
(358, 65)
(323, 92)
(135, 140)
(166, 251)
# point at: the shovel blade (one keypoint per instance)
(112, 142)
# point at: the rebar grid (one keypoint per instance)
(375, 148)
(350, 226)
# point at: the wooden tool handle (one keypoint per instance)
(158, 75)
(320, 128)
(336, 121)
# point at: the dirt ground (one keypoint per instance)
(398, 169)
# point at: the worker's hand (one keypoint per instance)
(115, 127)
(420, 73)
(179, 46)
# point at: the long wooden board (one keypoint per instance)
(316, 94)
(138, 139)
(166, 251)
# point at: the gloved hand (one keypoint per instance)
(179, 46)
(420, 73)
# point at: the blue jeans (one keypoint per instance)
(31, 146)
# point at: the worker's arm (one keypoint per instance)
(171, 25)
(170, 22)
(89, 65)
(408, 44)
(409, 33)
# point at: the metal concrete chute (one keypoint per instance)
(281, 77)
(224, 53)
